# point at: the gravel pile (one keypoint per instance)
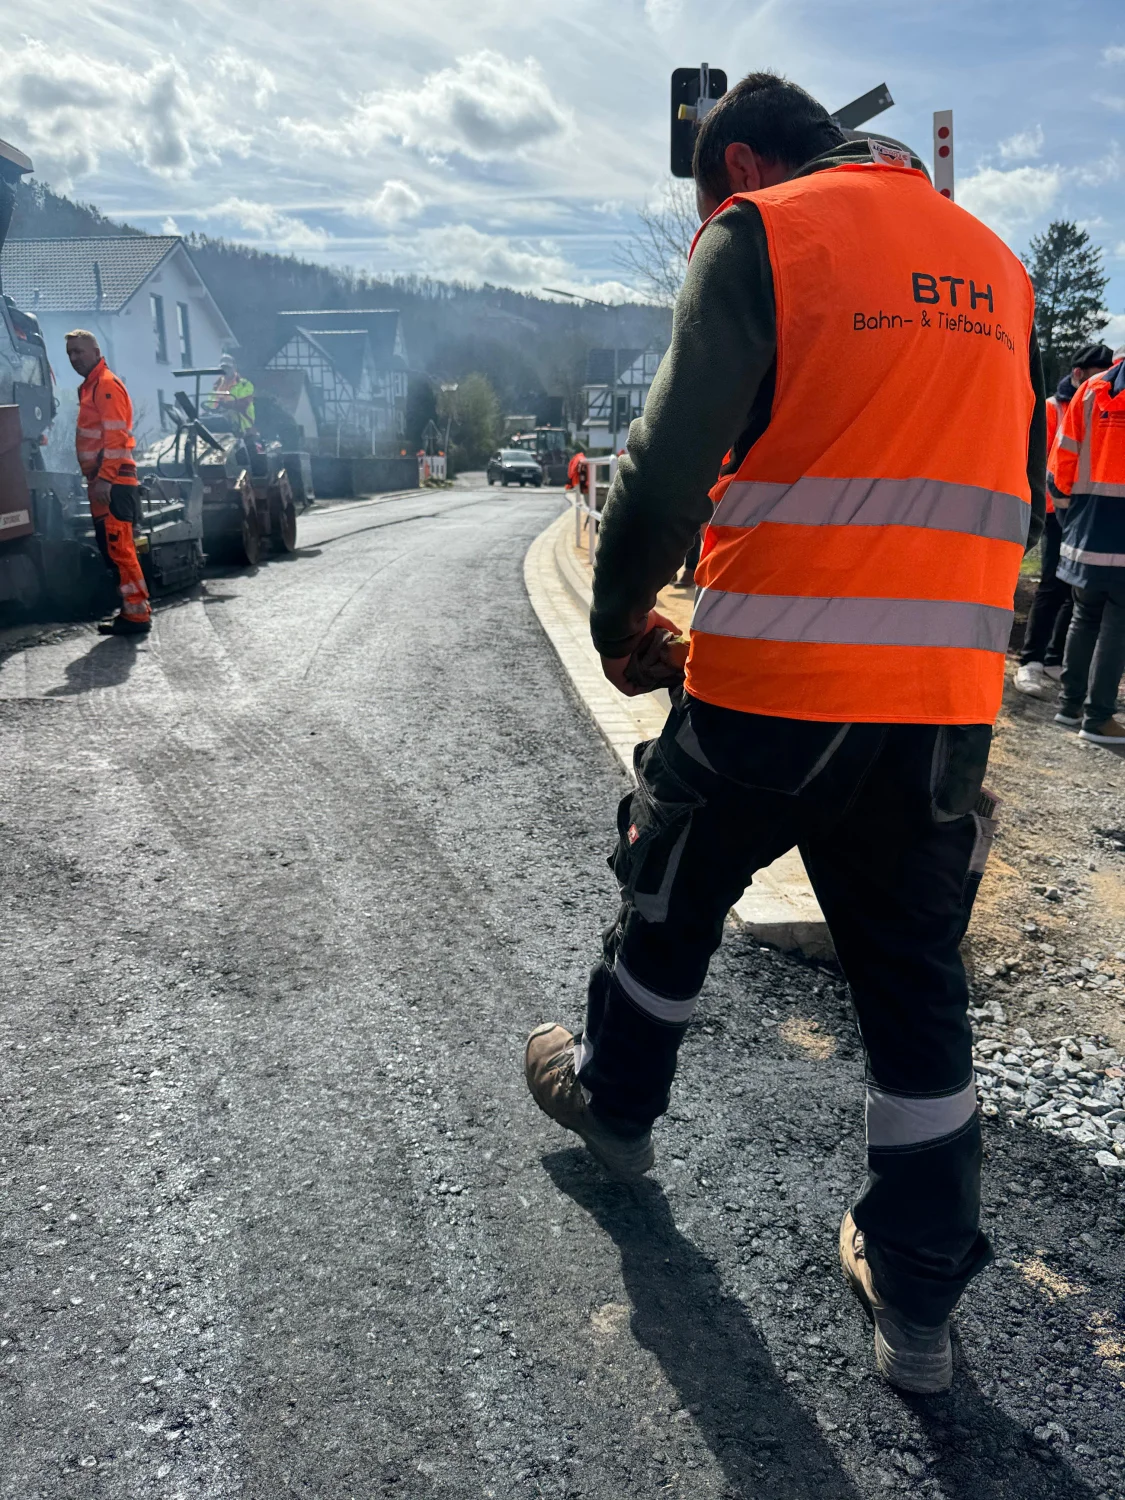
(1074, 1087)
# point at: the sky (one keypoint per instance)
(513, 141)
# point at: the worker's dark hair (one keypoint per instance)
(772, 116)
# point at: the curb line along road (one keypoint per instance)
(780, 906)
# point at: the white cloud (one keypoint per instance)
(395, 201)
(663, 14)
(269, 224)
(1024, 145)
(248, 76)
(485, 106)
(1113, 54)
(169, 226)
(1113, 333)
(462, 253)
(1007, 201)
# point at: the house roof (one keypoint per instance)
(599, 364)
(63, 275)
(381, 324)
(345, 347)
(285, 386)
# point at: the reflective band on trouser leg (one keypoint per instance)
(870, 622)
(660, 1007)
(903, 1120)
(131, 580)
(930, 504)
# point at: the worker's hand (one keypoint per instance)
(101, 490)
(622, 670)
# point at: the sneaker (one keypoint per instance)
(550, 1074)
(1032, 679)
(119, 625)
(1112, 732)
(907, 1355)
(1054, 671)
(1071, 717)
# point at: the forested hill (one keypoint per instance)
(525, 344)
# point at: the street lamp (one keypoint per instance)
(593, 302)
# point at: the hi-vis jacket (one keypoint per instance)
(1089, 471)
(104, 440)
(861, 563)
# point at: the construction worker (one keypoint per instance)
(105, 446)
(1049, 617)
(1088, 474)
(866, 350)
(234, 395)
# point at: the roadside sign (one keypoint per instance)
(943, 152)
(695, 92)
(865, 108)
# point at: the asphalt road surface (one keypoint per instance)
(283, 889)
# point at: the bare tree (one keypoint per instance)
(656, 253)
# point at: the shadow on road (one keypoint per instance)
(107, 664)
(768, 1445)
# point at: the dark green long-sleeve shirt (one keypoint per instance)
(713, 393)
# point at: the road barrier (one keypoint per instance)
(588, 503)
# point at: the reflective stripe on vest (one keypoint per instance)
(876, 502)
(860, 565)
(854, 622)
(1093, 559)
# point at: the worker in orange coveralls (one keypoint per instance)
(105, 446)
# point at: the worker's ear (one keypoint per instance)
(744, 168)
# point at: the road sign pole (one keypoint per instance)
(943, 152)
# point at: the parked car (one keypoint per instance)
(514, 466)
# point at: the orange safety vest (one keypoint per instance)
(104, 439)
(1089, 457)
(861, 564)
(1055, 412)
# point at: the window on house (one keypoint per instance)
(159, 331)
(184, 329)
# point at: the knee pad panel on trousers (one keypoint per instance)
(653, 826)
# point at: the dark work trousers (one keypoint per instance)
(1048, 619)
(1095, 654)
(894, 828)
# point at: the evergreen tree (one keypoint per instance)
(1066, 272)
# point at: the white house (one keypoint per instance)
(142, 298)
(356, 367)
(627, 372)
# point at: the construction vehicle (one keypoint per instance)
(49, 558)
(550, 446)
(247, 498)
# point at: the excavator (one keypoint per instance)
(49, 560)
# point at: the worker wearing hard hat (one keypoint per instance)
(864, 353)
(235, 394)
(105, 447)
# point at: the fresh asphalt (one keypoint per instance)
(283, 889)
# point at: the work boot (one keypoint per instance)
(908, 1355)
(549, 1070)
(121, 625)
(1112, 732)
